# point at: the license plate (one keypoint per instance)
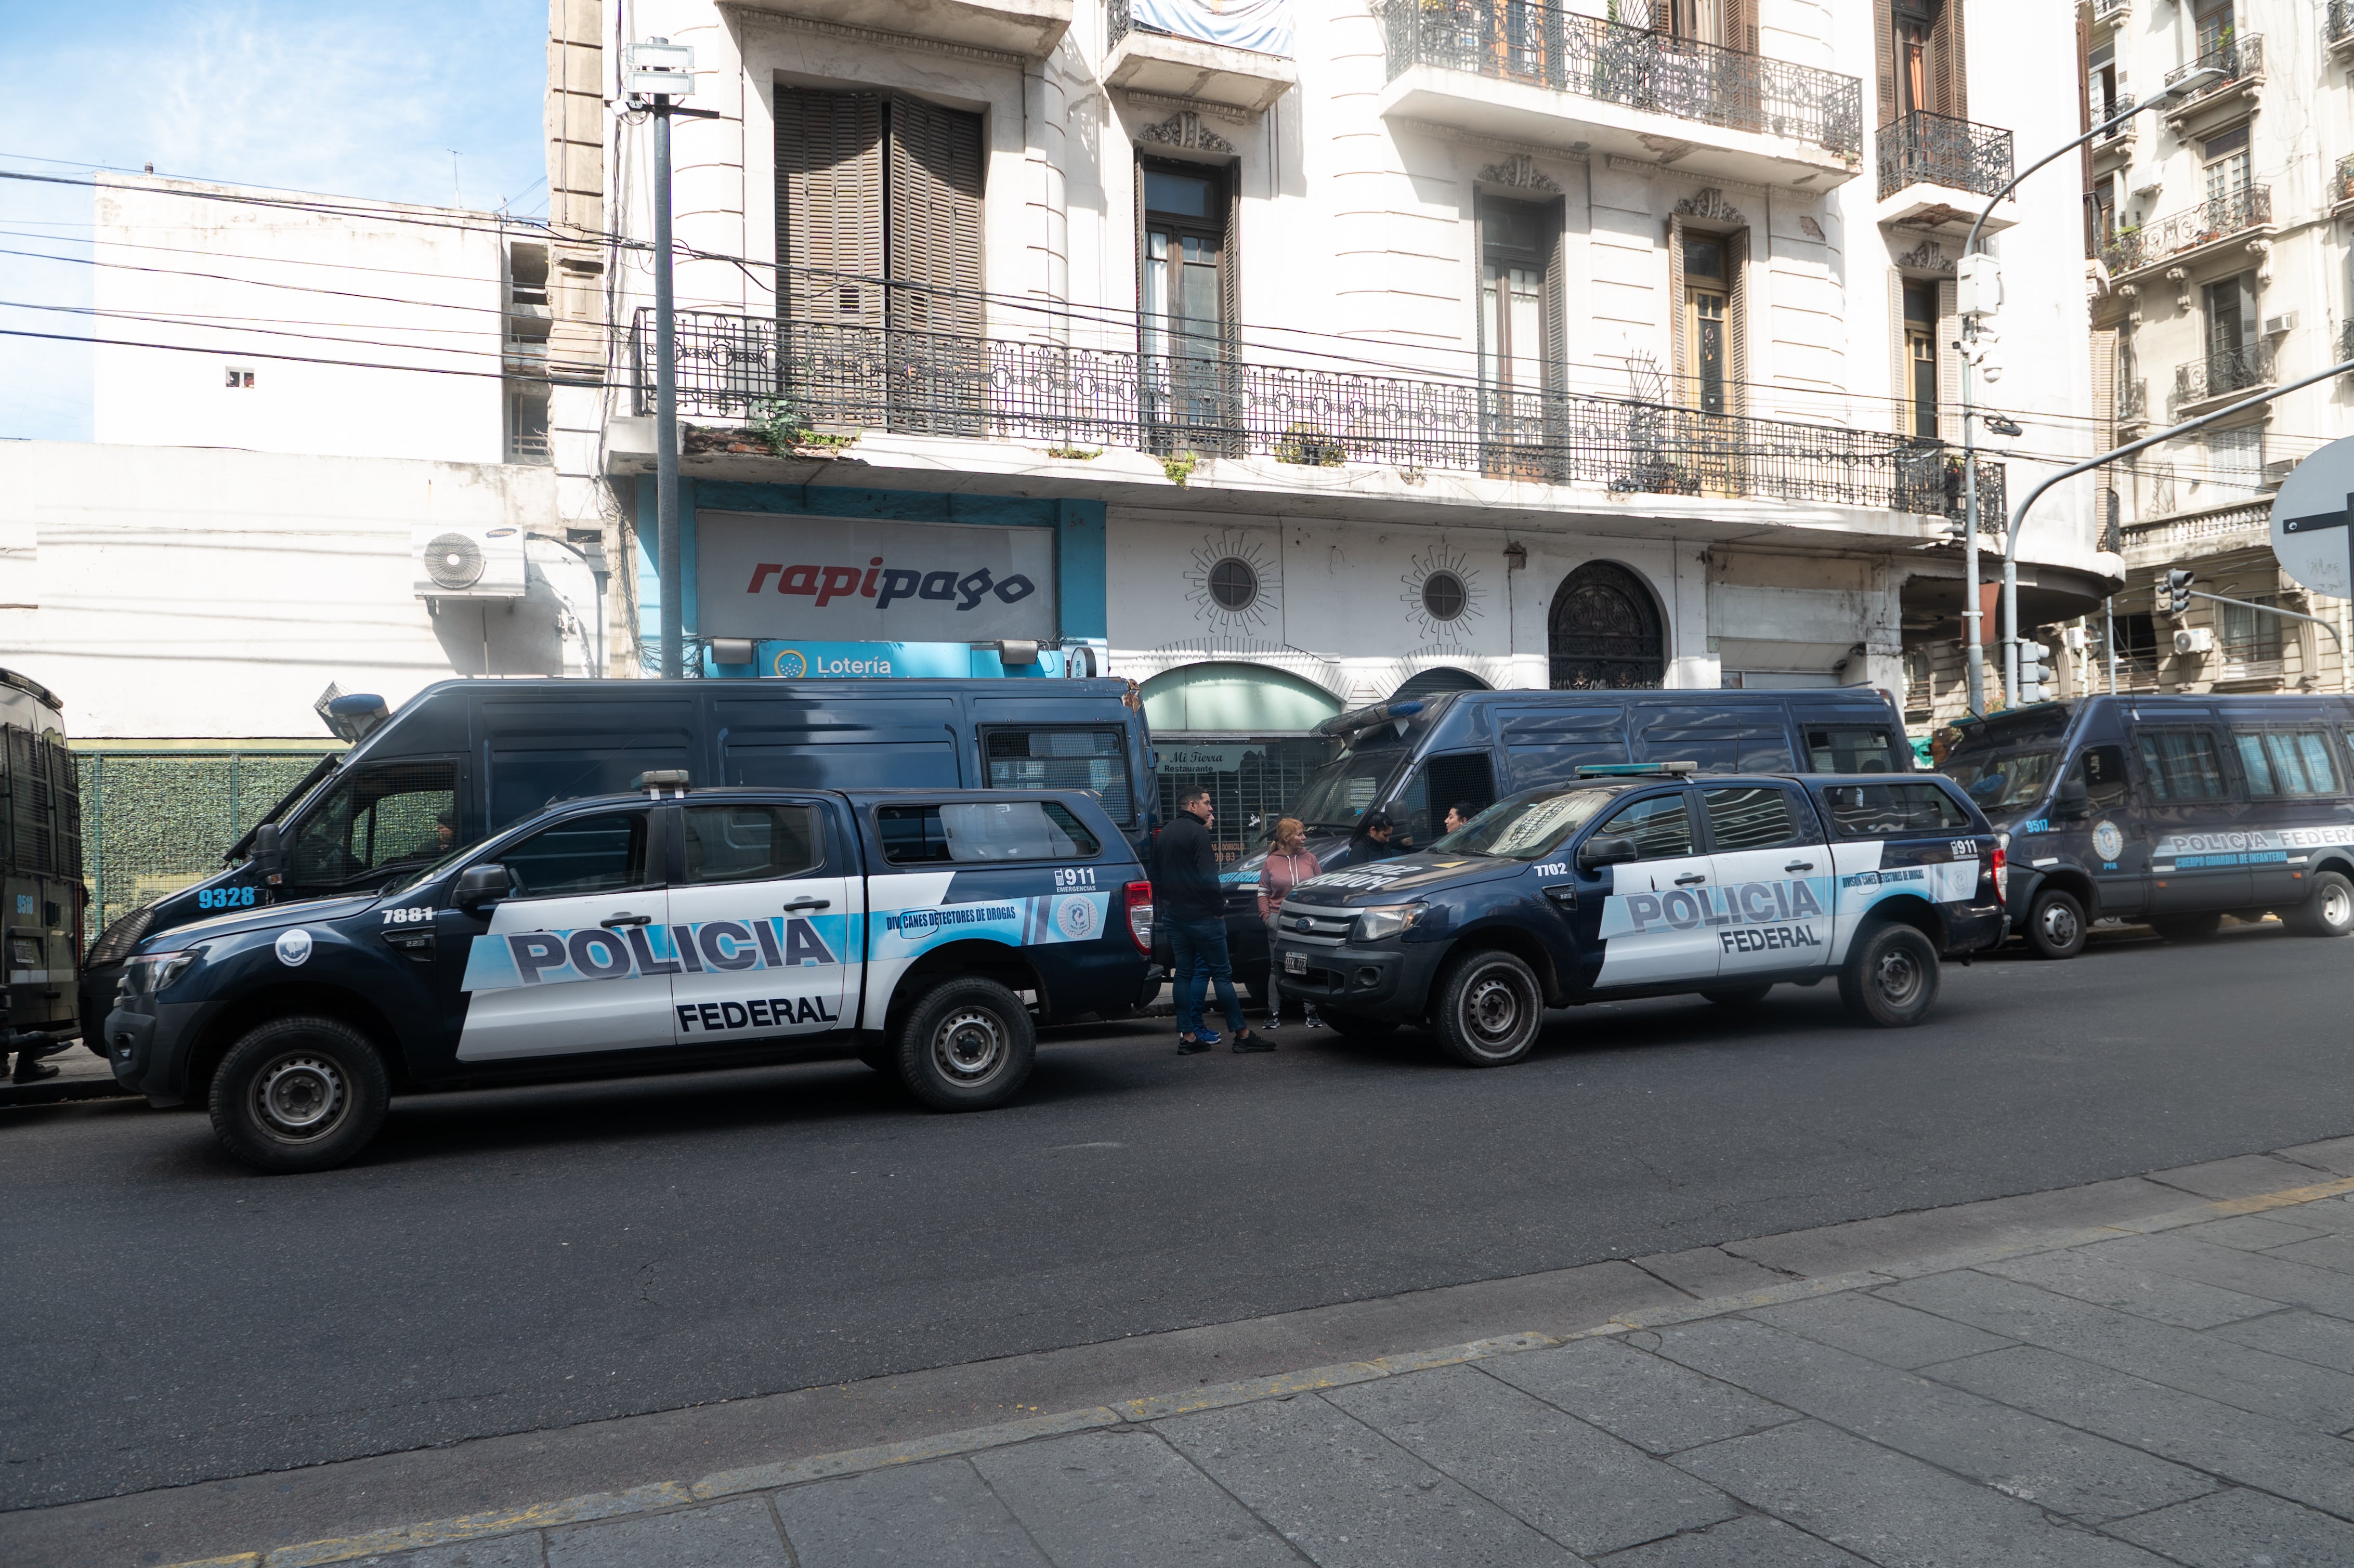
(1295, 963)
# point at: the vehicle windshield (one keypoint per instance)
(1526, 827)
(1998, 779)
(1343, 789)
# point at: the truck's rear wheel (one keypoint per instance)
(2328, 910)
(1488, 1009)
(299, 1093)
(966, 1045)
(2055, 925)
(1891, 976)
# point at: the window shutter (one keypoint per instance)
(934, 229)
(1737, 322)
(1900, 358)
(1230, 265)
(2105, 384)
(1556, 300)
(1741, 26)
(1664, 16)
(1951, 68)
(829, 205)
(1883, 51)
(1684, 392)
(1949, 366)
(1136, 181)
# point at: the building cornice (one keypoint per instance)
(749, 16)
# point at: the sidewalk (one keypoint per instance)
(2144, 1372)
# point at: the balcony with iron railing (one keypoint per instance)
(2119, 140)
(2337, 29)
(2111, 13)
(1195, 70)
(1930, 165)
(2220, 375)
(828, 377)
(2242, 216)
(2133, 404)
(2239, 56)
(1545, 74)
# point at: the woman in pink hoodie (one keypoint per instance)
(1289, 864)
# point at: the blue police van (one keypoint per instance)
(2167, 811)
(926, 932)
(1412, 759)
(1650, 880)
(464, 759)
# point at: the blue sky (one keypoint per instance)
(348, 100)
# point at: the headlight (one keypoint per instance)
(150, 972)
(121, 936)
(1388, 920)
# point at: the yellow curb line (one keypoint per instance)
(594, 1506)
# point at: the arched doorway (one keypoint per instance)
(1604, 632)
(1437, 679)
(1242, 732)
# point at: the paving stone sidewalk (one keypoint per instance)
(2171, 1389)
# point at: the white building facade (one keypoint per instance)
(2220, 230)
(1347, 349)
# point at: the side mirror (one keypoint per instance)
(1597, 853)
(480, 884)
(269, 854)
(2073, 799)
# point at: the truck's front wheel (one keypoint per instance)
(299, 1093)
(1489, 1010)
(966, 1045)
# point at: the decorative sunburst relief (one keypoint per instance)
(1235, 582)
(1443, 594)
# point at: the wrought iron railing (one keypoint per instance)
(2242, 56)
(1939, 150)
(938, 384)
(2117, 105)
(2107, 11)
(2223, 371)
(2338, 26)
(2345, 342)
(1609, 62)
(1117, 20)
(2133, 402)
(2130, 250)
(2341, 181)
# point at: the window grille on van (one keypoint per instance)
(1093, 759)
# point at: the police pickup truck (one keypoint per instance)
(922, 931)
(1643, 880)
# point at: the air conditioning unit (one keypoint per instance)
(2278, 470)
(2194, 640)
(468, 562)
(2284, 322)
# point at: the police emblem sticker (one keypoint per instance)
(1076, 919)
(2107, 842)
(295, 947)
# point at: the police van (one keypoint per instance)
(924, 932)
(2167, 811)
(41, 893)
(1414, 758)
(1650, 880)
(464, 759)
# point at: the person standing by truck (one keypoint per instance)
(1288, 866)
(1192, 901)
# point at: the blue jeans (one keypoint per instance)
(1199, 946)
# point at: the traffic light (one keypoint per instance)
(2176, 593)
(2035, 676)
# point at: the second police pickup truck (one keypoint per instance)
(923, 931)
(1643, 880)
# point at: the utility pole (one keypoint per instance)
(662, 73)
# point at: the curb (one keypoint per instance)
(658, 1496)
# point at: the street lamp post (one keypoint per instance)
(1973, 662)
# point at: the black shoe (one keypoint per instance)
(1191, 1047)
(33, 1072)
(1247, 1040)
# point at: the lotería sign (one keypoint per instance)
(854, 580)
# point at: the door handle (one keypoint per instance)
(1689, 878)
(615, 922)
(1800, 865)
(808, 904)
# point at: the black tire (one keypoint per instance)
(1890, 979)
(2187, 928)
(1357, 1027)
(966, 1045)
(299, 1093)
(880, 1055)
(2056, 927)
(1738, 996)
(2328, 910)
(1488, 1009)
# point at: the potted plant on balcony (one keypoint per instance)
(1305, 444)
(784, 424)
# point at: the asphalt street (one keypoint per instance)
(511, 1261)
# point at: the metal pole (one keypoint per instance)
(665, 404)
(1973, 621)
(2110, 606)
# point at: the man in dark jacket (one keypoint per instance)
(1190, 900)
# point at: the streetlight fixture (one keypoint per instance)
(1983, 288)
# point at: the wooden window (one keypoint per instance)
(2215, 26)
(878, 211)
(2224, 159)
(1709, 331)
(1515, 246)
(1921, 360)
(1919, 48)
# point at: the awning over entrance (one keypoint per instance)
(1227, 698)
